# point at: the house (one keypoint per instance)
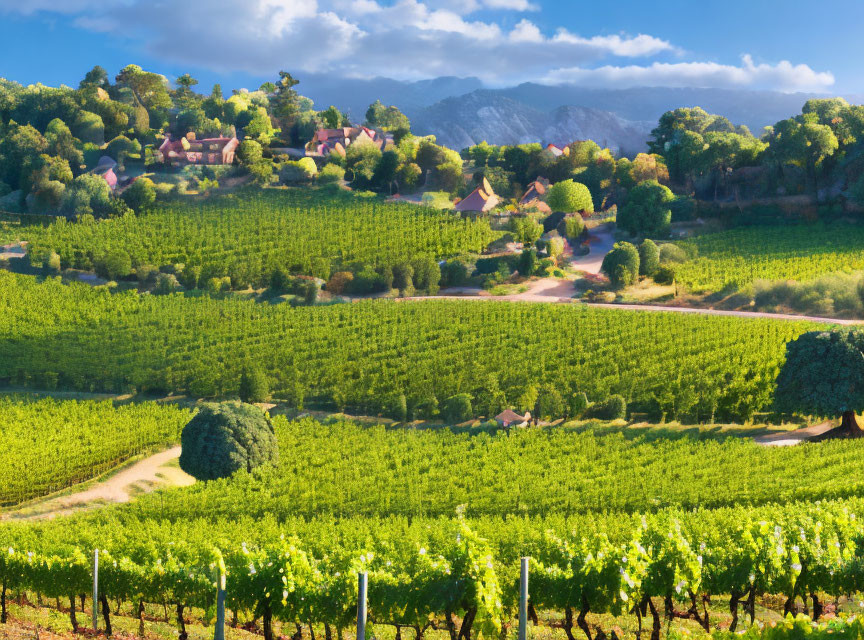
(190, 150)
(327, 141)
(109, 176)
(533, 196)
(557, 151)
(509, 418)
(482, 199)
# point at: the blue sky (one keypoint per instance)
(788, 45)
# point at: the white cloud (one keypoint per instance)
(784, 76)
(403, 39)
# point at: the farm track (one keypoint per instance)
(141, 477)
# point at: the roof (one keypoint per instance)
(508, 416)
(481, 199)
(106, 161)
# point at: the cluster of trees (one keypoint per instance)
(509, 169)
(798, 154)
(422, 275)
(627, 262)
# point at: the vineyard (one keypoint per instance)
(52, 444)
(406, 472)
(460, 572)
(363, 356)
(247, 237)
(784, 252)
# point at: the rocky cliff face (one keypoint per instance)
(463, 121)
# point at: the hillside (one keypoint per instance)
(463, 121)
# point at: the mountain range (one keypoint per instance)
(461, 111)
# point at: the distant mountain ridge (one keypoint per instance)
(459, 110)
(463, 121)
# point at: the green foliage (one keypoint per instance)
(253, 385)
(52, 444)
(527, 263)
(570, 197)
(298, 170)
(574, 226)
(730, 361)
(526, 229)
(225, 438)
(140, 195)
(296, 228)
(823, 374)
(458, 409)
(649, 258)
(387, 119)
(646, 211)
(577, 405)
(799, 252)
(331, 173)
(613, 408)
(549, 404)
(621, 265)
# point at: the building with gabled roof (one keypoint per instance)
(533, 196)
(509, 418)
(482, 199)
(190, 150)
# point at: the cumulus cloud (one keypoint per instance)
(783, 76)
(403, 39)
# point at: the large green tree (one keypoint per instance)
(570, 197)
(824, 375)
(647, 211)
(225, 438)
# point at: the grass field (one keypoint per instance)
(783, 252)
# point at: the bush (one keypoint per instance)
(578, 404)
(340, 282)
(569, 196)
(454, 273)
(115, 264)
(621, 265)
(527, 263)
(331, 173)
(664, 275)
(649, 258)
(647, 211)
(224, 438)
(672, 253)
(140, 195)
(253, 386)
(574, 226)
(398, 408)
(51, 264)
(613, 408)
(166, 283)
(549, 404)
(458, 409)
(298, 171)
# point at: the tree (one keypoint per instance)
(527, 263)
(384, 175)
(482, 153)
(224, 438)
(331, 117)
(285, 102)
(649, 258)
(149, 89)
(526, 230)
(647, 210)
(115, 264)
(253, 385)
(249, 152)
(96, 77)
(458, 409)
(388, 119)
(140, 195)
(824, 375)
(549, 405)
(621, 265)
(87, 194)
(569, 196)
(613, 408)
(121, 147)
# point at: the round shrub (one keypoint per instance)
(647, 211)
(621, 265)
(253, 386)
(613, 408)
(569, 196)
(224, 438)
(574, 226)
(649, 258)
(331, 173)
(458, 409)
(672, 253)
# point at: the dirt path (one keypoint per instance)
(790, 438)
(600, 240)
(141, 477)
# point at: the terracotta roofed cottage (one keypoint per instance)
(482, 199)
(190, 150)
(533, 196)
(509, 418)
